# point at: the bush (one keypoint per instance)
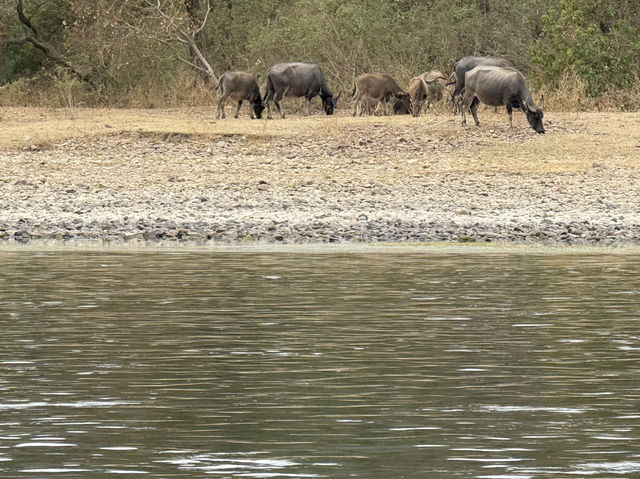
(579, 50)
(586, 38)
(23, 59)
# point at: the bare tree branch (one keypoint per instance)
(34, 38)
(24, 19)
(204, 20)
(178, 28)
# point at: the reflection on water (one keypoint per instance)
(300, 365)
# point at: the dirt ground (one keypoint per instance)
(181, 175)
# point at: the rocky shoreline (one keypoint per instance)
(334, 187)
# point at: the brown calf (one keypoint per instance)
(383, 88)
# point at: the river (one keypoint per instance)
(287, 364)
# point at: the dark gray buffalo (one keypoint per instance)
(383, 88)
(497, 86)
(239, 86)
(298, 79)
(469, 63)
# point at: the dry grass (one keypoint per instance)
(574, 141)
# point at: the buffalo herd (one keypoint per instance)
(490, 80)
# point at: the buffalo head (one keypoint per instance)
(258, 107)
(534, 116)
(401, 104)
(330, 102)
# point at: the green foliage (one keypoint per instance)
(18, 60)
(123, 43)
(591, 40)
(23, 59)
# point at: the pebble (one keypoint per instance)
(100, 190)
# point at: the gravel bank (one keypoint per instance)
(351, 182)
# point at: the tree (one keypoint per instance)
(591, 39)
(174, 24)
(44, 39)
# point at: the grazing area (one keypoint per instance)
(180, 175)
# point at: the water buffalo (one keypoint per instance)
(435, 81)
(497, 86)
(298, 79)
(419, 94)
(424, 88)
(383, 88)
(469, 63)
(239, 86)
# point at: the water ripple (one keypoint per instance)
(201, 365)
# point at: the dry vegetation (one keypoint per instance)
(574, 141)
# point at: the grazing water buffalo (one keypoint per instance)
(424, 88)
(240, 86)
(435, 81)
(298, 79)
(497, 86)
(469, 63)
(419, 94)
(383, 88)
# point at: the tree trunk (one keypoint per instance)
(34, 38)
(211, 76)
(192, 7)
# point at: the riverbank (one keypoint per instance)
(180, 176)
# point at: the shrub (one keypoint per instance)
(588, 39)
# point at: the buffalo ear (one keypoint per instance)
(430, 77)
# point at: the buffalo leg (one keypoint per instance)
(238, 109)
(361, 106)
(278, 98)
(456, 97)
(458, 103)
(221, 105)
(377, 108)
(356, 100)
(510, 112)
(307, 106)
(276, 101)
(464, 107)
(357, 104)
(267, 100)
(474, 110)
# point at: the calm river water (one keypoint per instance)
(392, 365)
